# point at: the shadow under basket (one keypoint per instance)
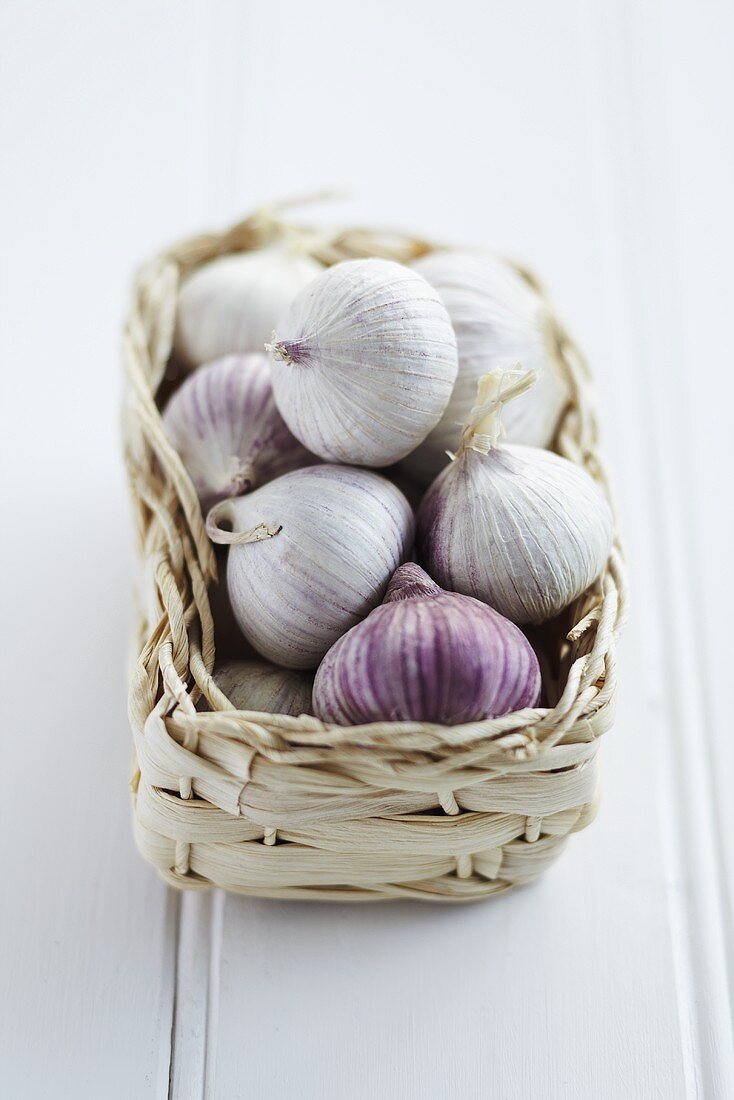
(274, 806)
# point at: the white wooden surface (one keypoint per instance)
(592, 139)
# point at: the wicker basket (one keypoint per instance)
(276, 806)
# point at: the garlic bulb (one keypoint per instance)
(257, 685)
(518, 527)
(364, 362)
(310, 555)
(224, 424)
(426, 655)
(231, 304)
(499, 320)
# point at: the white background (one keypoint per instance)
(594, 141)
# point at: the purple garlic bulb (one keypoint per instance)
(224, 423)
(426, 655)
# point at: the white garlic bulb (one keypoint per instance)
(364, 362)
(231, 304)
(520, 528)
(224, 423)
(499, 320)
(310, 555)
(257, 685)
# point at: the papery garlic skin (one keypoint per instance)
(520, 528)
(426, 655)
(231, 304)
(259, 686)
(225, 425)
(364, 362)
(343, 533)
(499, 320)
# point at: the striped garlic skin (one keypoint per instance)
(499, 321)
(426, 655)
(520, 528)
(344, 532)
(257, 685)
(231, 304)
(225, 425)
(364, 362)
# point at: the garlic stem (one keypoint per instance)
(223, 511)
(483, 427)
(410, 582)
